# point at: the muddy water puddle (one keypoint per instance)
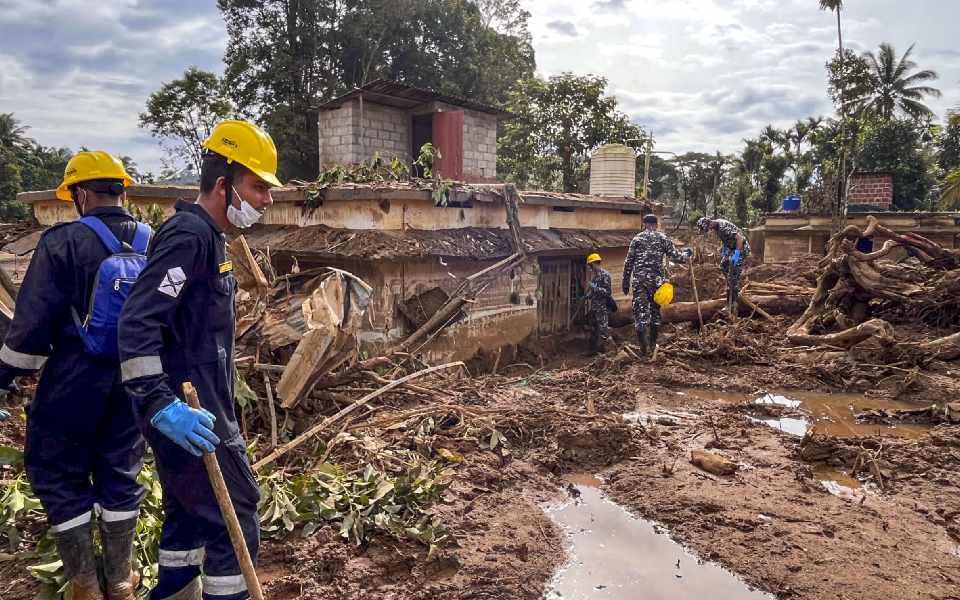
(799, 412)
(614, 555)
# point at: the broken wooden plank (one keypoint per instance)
(245, 268)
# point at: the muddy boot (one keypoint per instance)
(117, 539)
(79, 562)
(643, 336)
(654, 332)
(191, 591)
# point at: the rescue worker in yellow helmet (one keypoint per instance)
(644, 271)
(599, 295)
(178, 325)
(83, 448)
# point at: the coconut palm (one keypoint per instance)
(12, 133)
(950, 198)
(897, 85)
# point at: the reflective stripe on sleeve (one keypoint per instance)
(142, 366)
(28, 362)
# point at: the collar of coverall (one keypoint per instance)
(106, 210)
(199, 211)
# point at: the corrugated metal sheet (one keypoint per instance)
(401, 95)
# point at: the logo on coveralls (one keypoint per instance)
(173, 282)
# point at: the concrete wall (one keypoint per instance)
(787, 236)
(479, 146)
(354, 133)
(349, 135)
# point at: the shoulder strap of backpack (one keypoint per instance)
(141, 238)
(103, 232)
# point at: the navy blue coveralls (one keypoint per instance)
(178, 325)
(82, 447)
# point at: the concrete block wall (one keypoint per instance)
(338, 142)
(349, 135)
(875, 190)
(479, 145)
(383, 130)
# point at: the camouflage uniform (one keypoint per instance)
(644, 269)
(727, 232)
(601, 288)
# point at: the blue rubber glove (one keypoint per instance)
(737, 258)
(189, 428)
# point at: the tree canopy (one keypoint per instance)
(557, 123)
(283, 58)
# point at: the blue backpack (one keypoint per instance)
(111, 286)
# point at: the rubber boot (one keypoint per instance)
(117, 537)
(79, 562)
(191, 591)
(643, 336)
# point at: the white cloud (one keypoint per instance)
(704, 74)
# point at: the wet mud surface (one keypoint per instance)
(802, 517)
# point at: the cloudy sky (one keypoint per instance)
(701, 74)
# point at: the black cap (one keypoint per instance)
(651, 218)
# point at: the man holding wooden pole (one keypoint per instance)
(178, 325)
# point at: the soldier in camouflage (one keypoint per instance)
(600, 296)
(734, 251)
(644, 270)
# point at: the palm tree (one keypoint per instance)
(950, 198)
(836, 208)
(12, 133)
(896, 85)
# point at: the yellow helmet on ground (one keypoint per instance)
(593, 258)
(664, 294)
(91, 165)
(247, 144)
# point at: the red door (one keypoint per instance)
(448, 138)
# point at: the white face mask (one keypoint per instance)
(242, 217)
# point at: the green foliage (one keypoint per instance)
(428, 154)
(557, 123)
(152, 216)
(183, 113)
(950, 198)
(896, 87)
(25, 165)
(896, 147)
(948, 144)
(283, 58)
(358, 503)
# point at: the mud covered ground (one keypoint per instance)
(773, 522)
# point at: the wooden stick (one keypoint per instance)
(756, 308)
(696, 295)
(273, 411)
(226, 508)
(269, 368)
(303, 437)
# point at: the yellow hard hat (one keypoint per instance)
(593, 258)
(664, 294)
(247, 144)
(88, 166)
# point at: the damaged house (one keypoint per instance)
(521, 255)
